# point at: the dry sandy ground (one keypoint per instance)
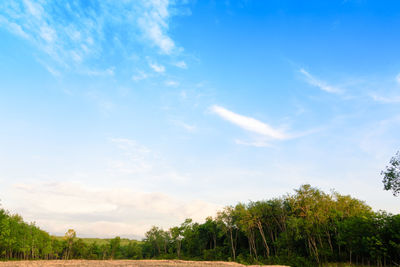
(126, 263)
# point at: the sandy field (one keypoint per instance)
(126, 263)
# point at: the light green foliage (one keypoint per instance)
(307, 228)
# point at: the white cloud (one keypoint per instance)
(183, 94)
(140, 75)
(171, 83)
(104, 212)
(129, 191)
(157, 68)
(48, 34)
(138, 161)
(71, 34)
(104, 104)
(253, 143)
(34, 8)
(106, 72)
(249, 124)
(380, 137)
(14, 28)
(153, 23)
(187, 127)
(136, 158)
(181, 64)
(385, 99)
(51, 70)
(125, 143)
(390, 96)
(310, 79)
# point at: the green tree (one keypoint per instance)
(391, 175)
(115, 245)
(79, 250)
(227, 219)
(157, 237)
(132, 251)
(69, 238)
(176, 236)
(94, 251)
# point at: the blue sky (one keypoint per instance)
(116, 116)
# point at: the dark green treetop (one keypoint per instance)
(391, 175)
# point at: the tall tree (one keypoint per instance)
(391, 175)
(228, 222)
(69, 238)
(176, 235)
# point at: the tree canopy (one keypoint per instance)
(391, 175)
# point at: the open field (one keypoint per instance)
(125, 263)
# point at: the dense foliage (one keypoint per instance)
(19, 240)
(391, 175)
(307, 228)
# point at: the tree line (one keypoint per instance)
(306, 228)
(22, 241)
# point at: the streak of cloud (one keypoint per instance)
(249, 124)
(310, 79)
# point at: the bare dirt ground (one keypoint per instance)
(125, 263)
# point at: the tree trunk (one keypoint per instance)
(263, 237)
(179, 249)
(232, 245)
(215, 240)
(253, 244)
(329, 241)
(350, 256)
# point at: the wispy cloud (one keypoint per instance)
(265, 141)
(157, 67)
(385, 99)
(104, 104)
(181, 64)
(75, 32)
(388, 96)
(250, 124)
(186, 126)
(310, 79)
(136, 158)
(140, 75)
(153, 23)
(380, 137)
(126, 144)
(253, 143)
(171, 83)
(106, 72)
